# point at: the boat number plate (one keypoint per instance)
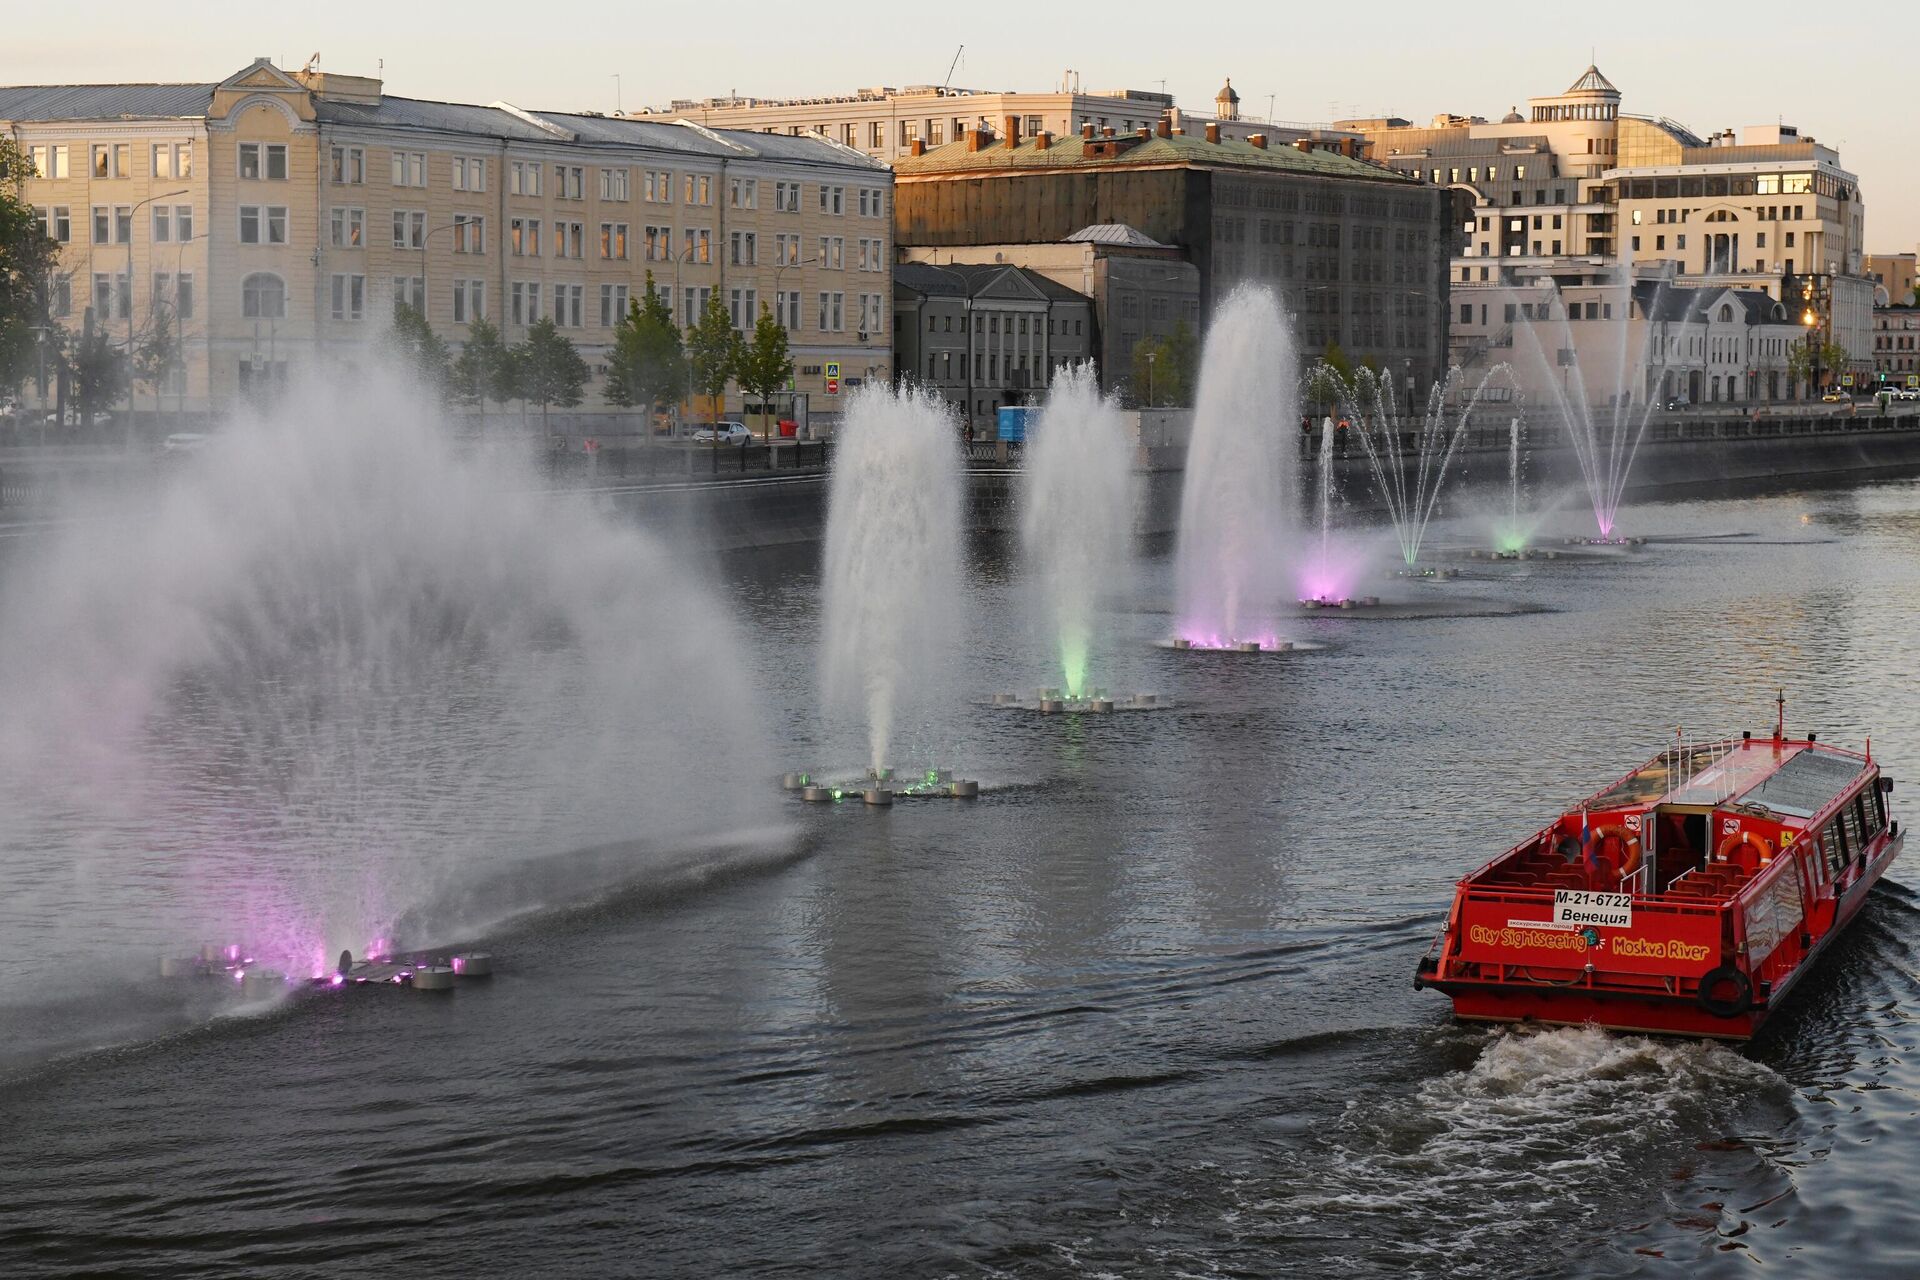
(1579, 907)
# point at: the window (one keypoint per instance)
(832, 318)
(613, 241)
(61, 304)
(568, 300)
(613, 304)
(659, 186)
(469, 233)
(523, 178)
(525, 301)
(50, 160)
(698, 190)
(347, 165)
(102, 224)
(872, 202)
(786, 309)
(742, 307)
(60, 223)
(165, 164)
(659, 243)
(786, 250)
(615, 183)
(698, 246)
(832, 252)
(469, 173)
(525, 236)
(872, 255)
(870, 313)
(123, 224)
(692, 302)
(569, 182)
(263, 296)
(833, 200)
(162, 223)
(786, 197)
(409, 228)
(876, 136)
(264, 160)
(410, 291)
(569, 239)
(349, 297)
(743, 249)
(102, 163)
(743, 193)
(469, 301)
(409, 168)
(347, 228)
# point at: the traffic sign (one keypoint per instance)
(1846, 379)
(1913, 379)
(833, 384)
(833, 370)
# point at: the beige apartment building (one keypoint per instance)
(281, 216)
(1575, 193)
(886, 122)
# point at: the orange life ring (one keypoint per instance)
(1629, 861)
(1738, 838)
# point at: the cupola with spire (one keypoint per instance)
(1226, 103)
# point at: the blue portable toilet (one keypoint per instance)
(1013, 423)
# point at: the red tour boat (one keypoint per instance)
(1687, 898)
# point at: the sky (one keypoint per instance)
(1771, 60)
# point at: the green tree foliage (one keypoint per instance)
(548, 370)
(419, 349)
(1168, 377)
(713, 350)
(765, 365)
(97, 371)
(157, 353)
(485, 368)
(648, 363)
(28, 259)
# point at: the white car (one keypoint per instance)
(184, 442)
(725, 432)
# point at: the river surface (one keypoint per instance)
(1145, 1009)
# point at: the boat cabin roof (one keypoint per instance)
(1791, 780)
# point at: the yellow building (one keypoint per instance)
(283, 215)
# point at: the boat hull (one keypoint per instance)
(1565, 1009)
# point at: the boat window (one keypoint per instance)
(1805, 784)
(1867, 803)
(1850, 821)
(1834, 848)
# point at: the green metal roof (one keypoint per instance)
(1069, 153)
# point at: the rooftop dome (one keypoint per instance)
(1513, 116)
(1226, 103)
(1591, 81)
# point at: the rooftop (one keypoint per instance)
(1070, 152)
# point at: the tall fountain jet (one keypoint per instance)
(893, 563)
(1238, 504)
(1077, 515)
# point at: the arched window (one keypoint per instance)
(263, 296)
(1726, 314)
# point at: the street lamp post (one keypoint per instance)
(1151, 357)
(133, 216)
(1810, 320)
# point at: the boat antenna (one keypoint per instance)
(1780, 721)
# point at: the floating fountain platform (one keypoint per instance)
(1271, 645)
(1311, 603)
(1513, 553)
(880, 788)
(1606, 542)
(1096, 702)
(418, 971)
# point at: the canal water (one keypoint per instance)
(1145, 1009)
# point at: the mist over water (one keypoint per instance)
(892, 565)
(339, 674)
(1077, 517)
(1239, 500)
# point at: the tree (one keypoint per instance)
(648, 363)
(97, 371)
(1167, 378)
(157, 354)
(713, 350)
(28, 257)
(420, 349)
(548, 369)
(484, 370)
(1815, 362)
(764, 365)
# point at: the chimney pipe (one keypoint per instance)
(1143, 132)
(1258, 139)
(1086, 131)
(1213, 131)
(978, 139)
(1106, 131)
(918, 147)
(1303, 144)
(1044, 138)
(1013, 131)
(1165, 128)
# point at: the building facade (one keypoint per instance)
(281, 218)
(886, 123)
(1895, 276)
(985, 336)
(1896, 345)
(1138, 289)
(1357, 252)
(1575, 193)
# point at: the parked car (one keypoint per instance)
(1676, 402)
(1836, 397)
(1907, 393)
(725, 432)
(185, 442)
